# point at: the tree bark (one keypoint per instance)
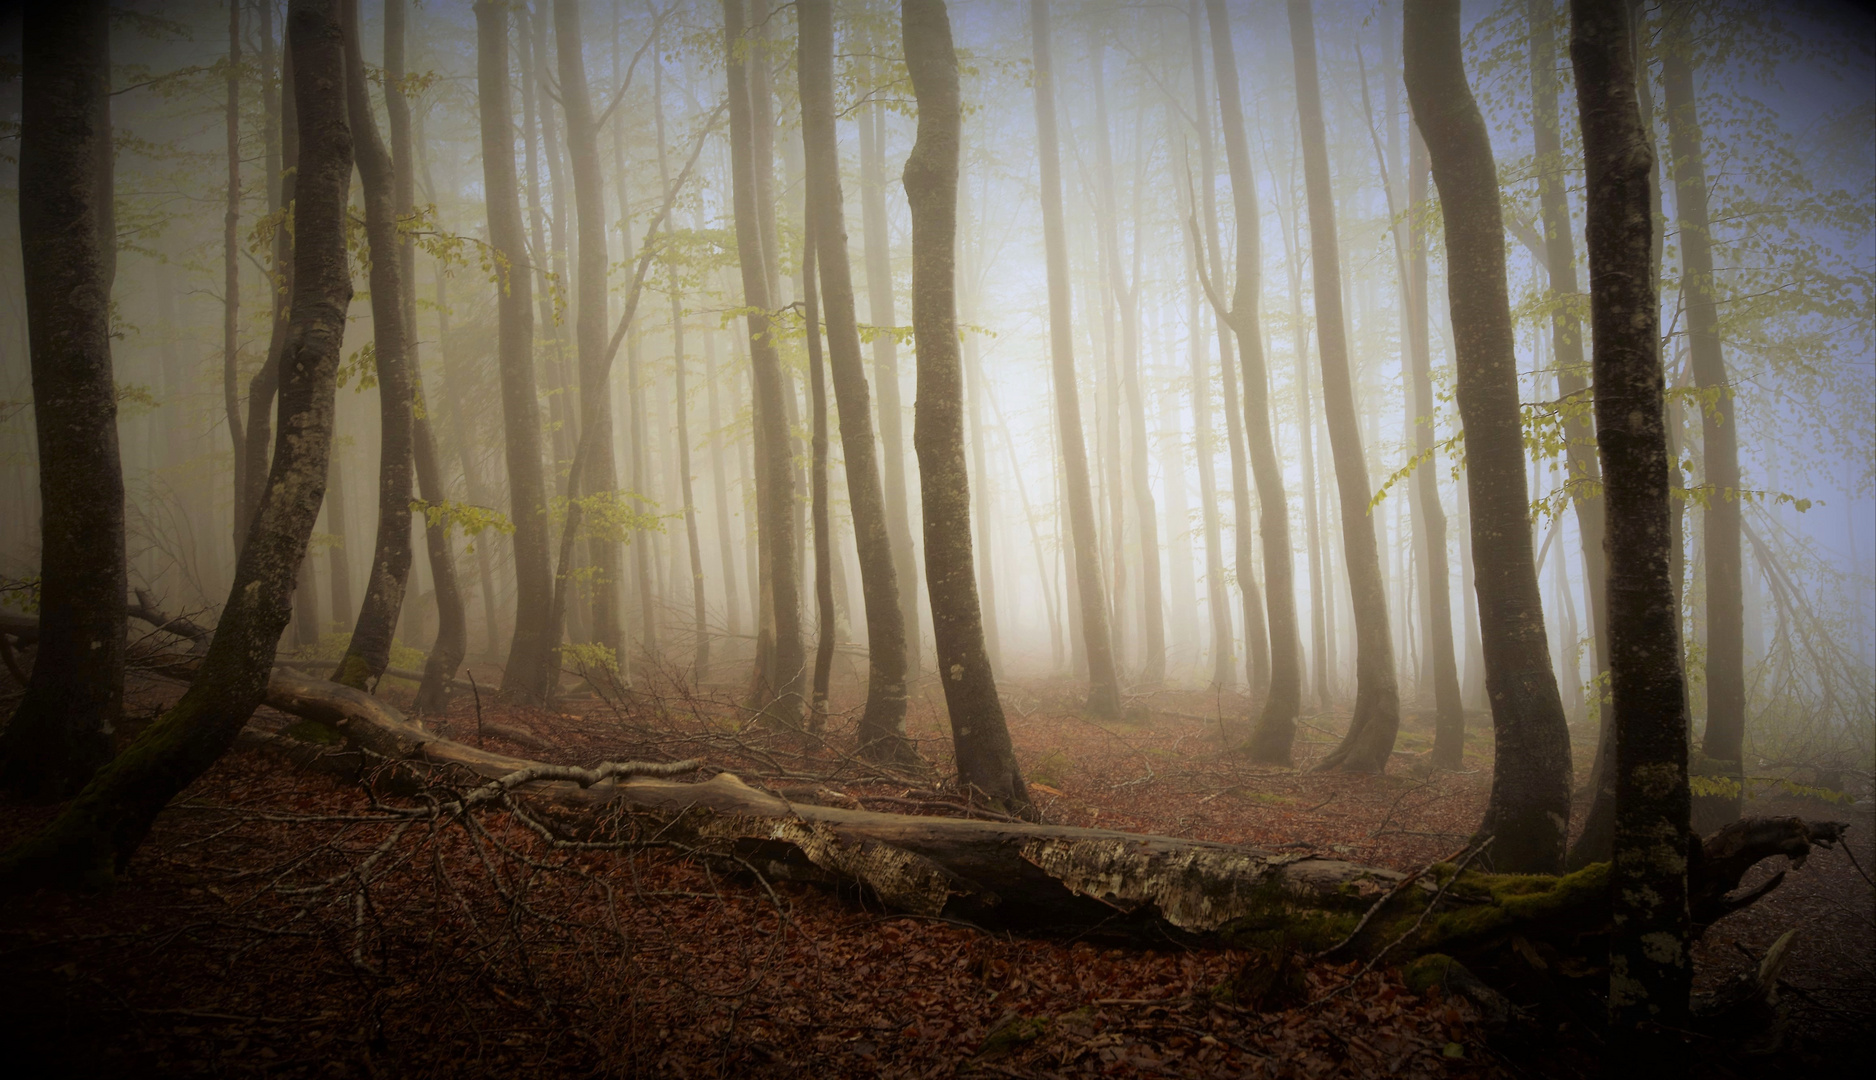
(882, 724)
(1103, 681)
(1650, 969)
(369, 652)
(1275, 732)
(452, 627)
(532, 671)
(282, 141)
(92, 839)
(61, 731)
(979, 735)
(1724, 742)
(1376, 720)
(776, 475)
(817, 479)
(231, 278)
(1529, 811)
(1449, 713)
(882, 310)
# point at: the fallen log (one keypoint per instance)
(1062, 880)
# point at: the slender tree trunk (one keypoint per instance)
(720, 490)
(281, 133)
(1650, 970)
(338, 559)
(94, 837)
(369, 652)
(532, 671)
(1449, 712)
(882, 310)
(777, 475)
(1529, 812)
(598, 475)
(1103, 683)
(452, 630)
(975, 391)
(231, 280)
(1724, 742)
(1275, 732)
(1376, 721)
(61, 731)
(1217, 599)
(817, 478)
(979, 734)
(1566, 332)
(882, 725)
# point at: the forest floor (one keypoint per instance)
(274, 925)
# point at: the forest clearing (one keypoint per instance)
(939, 538)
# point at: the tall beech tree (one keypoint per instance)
(533, 668)
(95, 835)
(61, 731)
(231, 275)
(281, 152)
(369, 652)
(1529, 811)
(1275, 731)
(1376, 720)
(1103, 681)
(600, 473)
(979, 733)
(825, 627)
(1650, 968)
(1724, 740)
(882, 724)
(782, 677)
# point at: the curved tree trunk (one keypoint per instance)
(1103, 681)
(979, 734)
(776, 475)
(1650, 969)
(282, 142)
(1376, 721)
(882, 725)
(1271, 739)
(95, 835)
(61, 730)
(532, 671)
(1529, 812)
(369, 652)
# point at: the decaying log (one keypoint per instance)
(1051, 879)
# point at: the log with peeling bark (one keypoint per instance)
(1060, 880)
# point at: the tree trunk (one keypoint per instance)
(976, 389)
(599, 474)
(1650, 970)
(817, 478)
(719, 487)
(1275, 732)
(776, 475)
(93, 838)
(1566, 331)
(880, 308)
(231, 279)
(369, 651)
(338, 559)
(1529, 811)
(1449, 713)
(1376, 720)
(532, 671)
(681, 396)
(61, 731)
(981, 738)
(1103, 682)
(282, 140)
(882, 725)
(1724, 743)
(452, 631)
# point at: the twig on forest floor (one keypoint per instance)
(1411, 930)
(1375, 909)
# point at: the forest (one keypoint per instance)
(1268, 538)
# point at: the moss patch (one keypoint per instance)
(313, 731)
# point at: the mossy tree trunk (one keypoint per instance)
(96, 834)
(1529, 811)
(369, 652)
(1650, 969)
(979, 734)
(61, 731)
(882, 724)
